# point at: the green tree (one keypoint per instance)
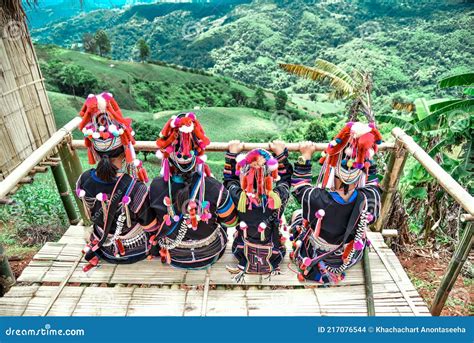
(260, 99)
(443, 127)
(70, 76)
(103, 42)
(280, 100)
(315, 132)
(143, 50)
(89, 43)
(239, 97)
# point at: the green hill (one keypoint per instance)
(407, 45)
(137, 86)
(220, 123)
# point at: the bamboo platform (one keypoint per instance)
(151, 288)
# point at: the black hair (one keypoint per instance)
(106, 170)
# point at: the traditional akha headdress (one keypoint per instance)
(257, 170)
(350, 155)
(105, 129)
(182, 144)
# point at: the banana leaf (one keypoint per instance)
(466, 79)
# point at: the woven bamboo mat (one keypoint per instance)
(151, 288)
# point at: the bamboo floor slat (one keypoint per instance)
(151, 288)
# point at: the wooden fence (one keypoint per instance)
(61, 143)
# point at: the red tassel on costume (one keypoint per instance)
(121, 248)
(207, 170)
(347, 250)
(90, 156)
(142, 175)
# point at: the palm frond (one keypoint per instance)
(344, 88)
(456, 107)
(335, 70)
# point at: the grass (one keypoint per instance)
(322, 106)
(173, 87)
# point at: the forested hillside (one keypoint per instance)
(407, 45)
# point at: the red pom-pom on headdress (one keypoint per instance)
(352, 149)
(106, 129)
(183, 135)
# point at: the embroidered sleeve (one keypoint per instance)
(141, 207)
(285, 172)
(231, 180)
(226, 211)
(301, 180)
(373, 194)
(139, 194)
(146, 217)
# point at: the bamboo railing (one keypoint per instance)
(61, 143)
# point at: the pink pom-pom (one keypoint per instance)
(307, 261)
(101, 197)
(272, 164)
(320, 214)
(80, 193)
(126, 200)
(169, 149)
(159, 154)
(349, 124)
(191, 115)
(358, 245)
(262, 227)
(176, 218)
(370, 217)
(243, 225)
(237, 172)
(372, 125)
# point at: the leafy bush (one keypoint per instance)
(315, 132)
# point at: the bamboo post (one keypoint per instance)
(7, 278)
(445, 180)
(390, 182)
(63, 189)
(454, 268)
(73, 168)
(369, 291)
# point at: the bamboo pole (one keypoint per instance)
(390, 182)
(222, 146)
(7, 278)
(36, 157)
(73, 168)
(369, 291)
(62, 185)
(446, 181)
(454, 268)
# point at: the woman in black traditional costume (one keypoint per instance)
(329, 234)
(192, 207)
(260, 184)
(114, 194)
